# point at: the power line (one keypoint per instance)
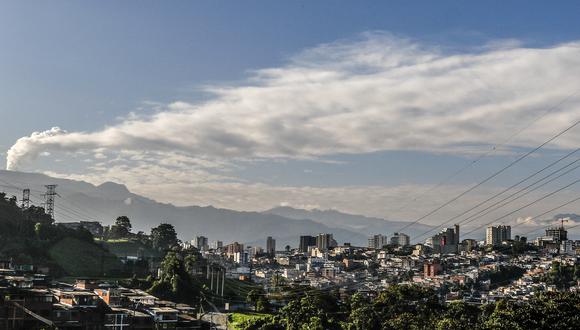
(506, 190)
(525, 206)
(49, 199)
(491, 151)
(524, 194)
(497, 205)
(76, 214)
(72, 213)
(546, 227)
(491, 176)
(546, 212)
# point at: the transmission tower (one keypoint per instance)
(25, 198)
(49, 199)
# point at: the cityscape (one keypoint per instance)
(289, 165)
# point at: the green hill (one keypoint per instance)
(81, 258)
(29, 236)
(123, 248)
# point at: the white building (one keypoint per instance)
(377, 241)
(495, 235)
(241, 258)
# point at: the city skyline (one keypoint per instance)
(290, 165)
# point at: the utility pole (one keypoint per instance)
(223, 280)
(217, 282)
(49, 199)
(211, 283)
(25, 199)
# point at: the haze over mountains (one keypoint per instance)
(79, 200)
(84, 201)
(352, 222)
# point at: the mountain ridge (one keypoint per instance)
(354, 222)
(80, 200)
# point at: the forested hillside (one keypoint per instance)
(29, 237)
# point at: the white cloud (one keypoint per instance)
(376, 93)
(569, 219)
(355, 96)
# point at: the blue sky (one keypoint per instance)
(82, 64)
(89, 66)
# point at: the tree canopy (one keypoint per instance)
(121, 228)
(164, 236)
(414, 307)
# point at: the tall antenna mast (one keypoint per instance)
(49, 199)
(25, 198)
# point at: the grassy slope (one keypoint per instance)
(238, 289)
(123, 248)
(80, 258)
(238, 318)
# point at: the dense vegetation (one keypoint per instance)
(562, 276)
(81, 258)
(413, 307)
(505, 274)
(28, 236)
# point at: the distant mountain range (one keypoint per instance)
(83, 201)
(351, 222)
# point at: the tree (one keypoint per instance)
(252, 298)
(43, 231)
(264, 323)
(124, 222)
(175, 283)
(164, 236)
(505, 274)
(407, 306)
(561, 275)
(171, 266)
(121, 228)
(459, 315)
(503, 317)
(362, 316)
(263, 304)
(413, 307)
(316, 311)
(192, 262)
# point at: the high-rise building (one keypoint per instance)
(495, 235)
(306, 242)
(270, 246)
(241, 258)
(447, 241)
(253, 251)
(558, 234)
(201, 243)
(216, 245)
(377, 241)
(325, 242)
(400, 239)
(231, 249)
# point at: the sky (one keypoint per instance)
(365, 107)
